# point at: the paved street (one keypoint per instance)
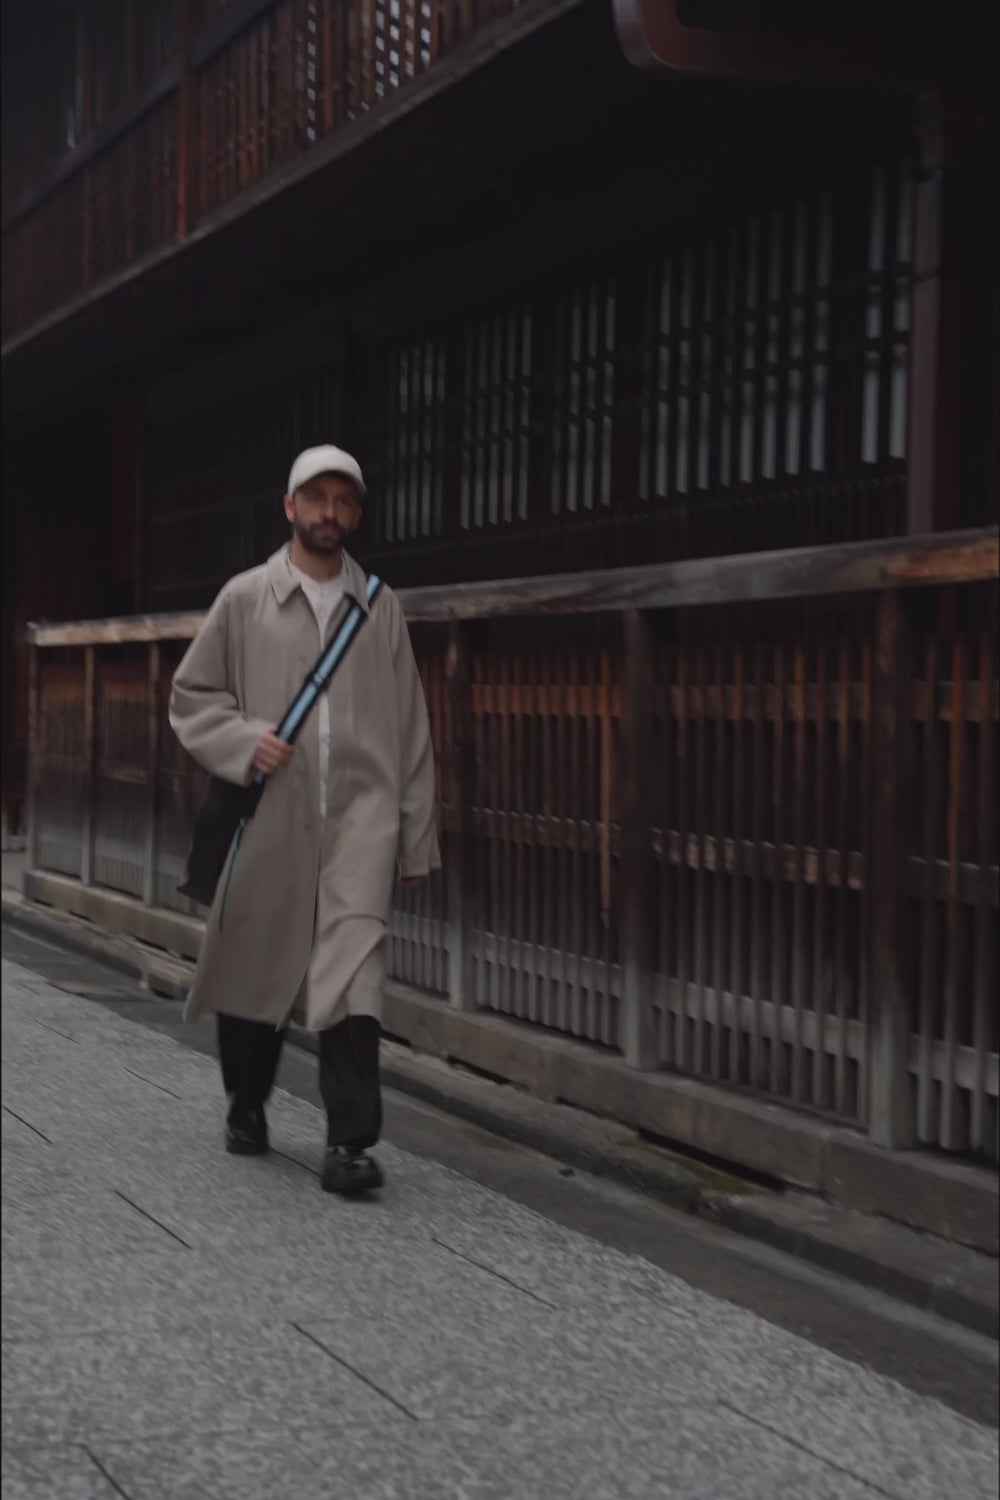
(181, 1324)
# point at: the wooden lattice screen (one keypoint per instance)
(742, 386)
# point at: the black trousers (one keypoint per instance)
(349, 1080)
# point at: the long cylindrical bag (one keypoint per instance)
(226, 807)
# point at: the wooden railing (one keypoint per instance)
(736, 818)
(259, 86)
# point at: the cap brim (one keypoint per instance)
(359, 484)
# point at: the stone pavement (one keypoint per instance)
(181, 1324)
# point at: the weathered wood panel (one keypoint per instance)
(114, 211)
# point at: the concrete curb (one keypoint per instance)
(938, 1276)
(163, 975)
(945, 1198)
(954, 1282)
(578, 1140)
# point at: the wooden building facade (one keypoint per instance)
(737, 307)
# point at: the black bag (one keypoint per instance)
(226, 807)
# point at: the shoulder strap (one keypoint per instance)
(326, 665)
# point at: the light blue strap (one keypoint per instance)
(332, 659)
(343, 639)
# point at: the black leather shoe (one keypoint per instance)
(350, 1172)
(246, 1133)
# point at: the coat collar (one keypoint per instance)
(284, 582)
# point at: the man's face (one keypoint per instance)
(324, 513)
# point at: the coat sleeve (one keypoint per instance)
(418, 839)
(204, 712)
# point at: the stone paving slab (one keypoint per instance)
(534, 1461)
(184, 1380)
(69, 1473)
(180, 1324)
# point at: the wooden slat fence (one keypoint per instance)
(664, 829)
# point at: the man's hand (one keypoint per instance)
(272, 755)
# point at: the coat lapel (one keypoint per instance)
(284, 583)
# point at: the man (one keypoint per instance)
(299, 920)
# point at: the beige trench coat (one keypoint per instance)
(301, 928)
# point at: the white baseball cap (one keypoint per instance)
(324, 460)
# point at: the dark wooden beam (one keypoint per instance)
(35, 710)
(891, 1113)
(635, 884)
(91, 690)
(187, 208)
(800, 573)
(132, 629)
(936, 358)
(458, 772)
(803, 572)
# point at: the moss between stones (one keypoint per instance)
(712, 1177)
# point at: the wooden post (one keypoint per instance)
(934, 458)
(460, 863)
(89, 764)
(186, 109)
(638, 1032)
(153, 787)
(891, 1114)
(34, 755)
(86, 84)
(86, 226)
(131, 88)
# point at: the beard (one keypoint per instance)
(320, 540)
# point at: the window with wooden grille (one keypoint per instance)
(496, 401)
(737, 386)
(404, 447)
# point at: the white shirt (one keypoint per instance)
(324, 597)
